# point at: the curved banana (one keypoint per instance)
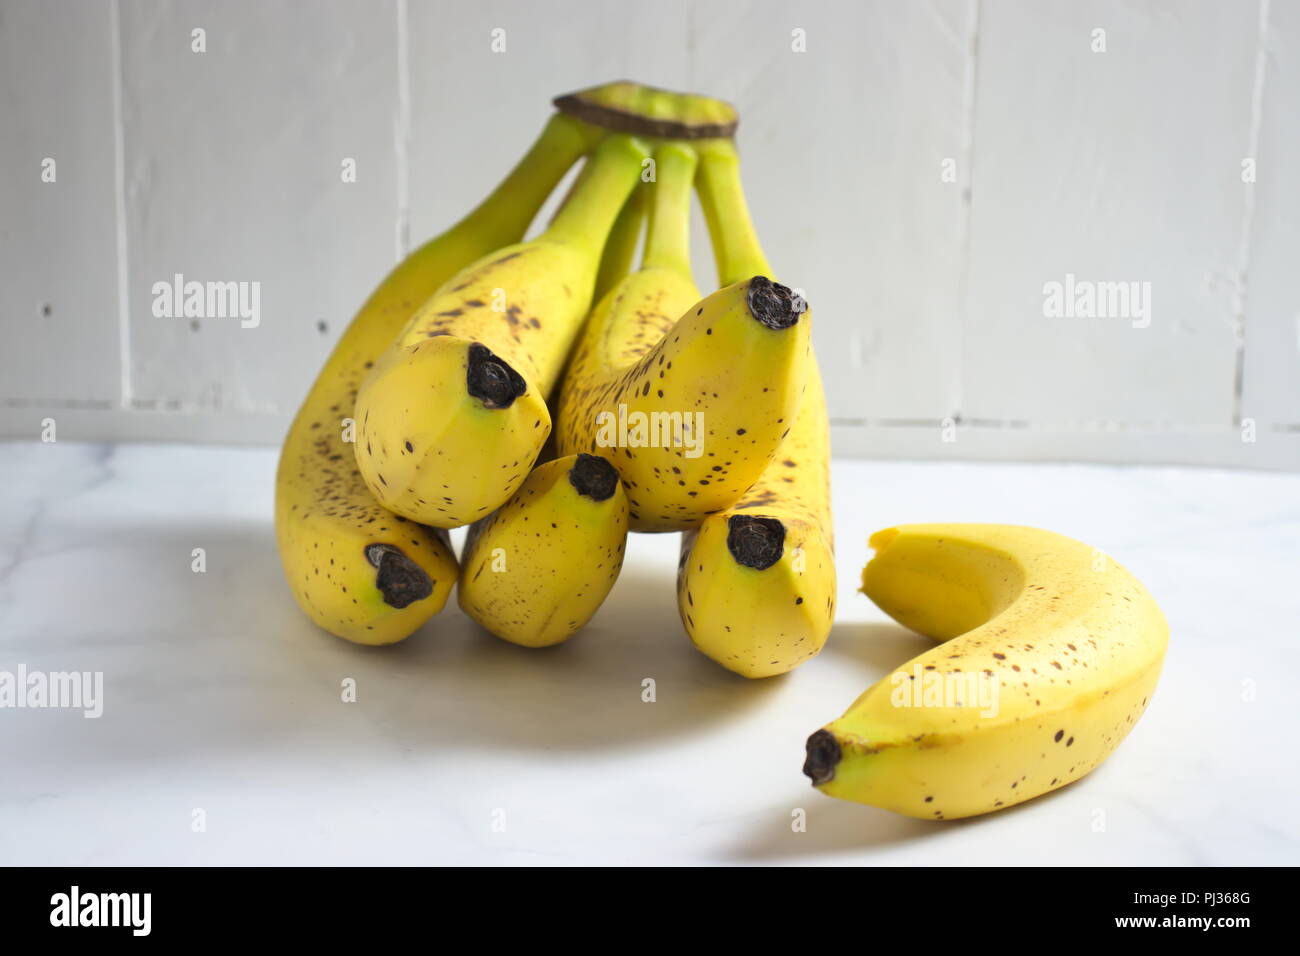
(453, 415)
(538, 568)
(359, 571)
(756, 583)
(691, 409)
(1050, 654)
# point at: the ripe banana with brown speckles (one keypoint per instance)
(538, 568)
(756, 583)
(454, 414)
(691, 409)
(356, 569)
(1049, 654)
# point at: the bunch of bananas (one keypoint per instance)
(553, 397)
(555, 394)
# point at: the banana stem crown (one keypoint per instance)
(629, 107)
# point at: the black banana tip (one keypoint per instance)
(774, 305)
(823, 756)
(400, 580)
(755, 542)
(491, 380)
(594, 477)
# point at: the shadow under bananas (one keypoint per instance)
(205, 670)
(588, 692)
(866, 650)
(874, 647)
(832, 827)
(843, 827)
(223, 662)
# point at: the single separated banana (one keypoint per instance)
(359, 571)
(538, 568)
(756, 583)
(454, 414)
(691, 409)
(1050, 654)
(490, 592)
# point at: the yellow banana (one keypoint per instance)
(756, 583)
(454, 414)
(1050, 654)
(692, 408)
(357, 570)
(538, 568)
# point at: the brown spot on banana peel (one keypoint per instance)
(400, 580)
(490, 378)
(594, 477)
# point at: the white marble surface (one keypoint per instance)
(219, 695)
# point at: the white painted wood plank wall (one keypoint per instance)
(922, 170)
